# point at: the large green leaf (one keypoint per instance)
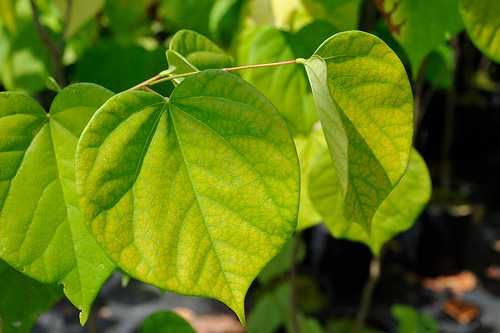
(365, 105)
(22, 300)
(41, 227)
(396, 214)
(190, 51)
(193, 194)
(482, 22)
(165, 322)
(286, 86)
(421, 26)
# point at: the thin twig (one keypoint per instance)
(293, 310)
(366, 298)
(165, 76)
(54, 50)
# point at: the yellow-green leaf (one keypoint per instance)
(41, 226)
(482, 22)
(396, 214)
(194, 194)
(365, 105)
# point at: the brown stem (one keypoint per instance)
(54, 51)
(366, 298)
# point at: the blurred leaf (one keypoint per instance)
(282, 262)
(440, 67)
(214, 179)
(197, 52)
(8, 15)
(165, 322)
(290, 15)
(22, 300)
(308, 148)
(127, 16)
(482, 22)
(343, 14)
(52, 84)
(42, 230)
(186, 14)
(421, 26)
(412, 321)
(286, 86)
(225, 19)
(24, 59)
(272, 311)
(80, 12)
(118, 67)
(365, 106)
(396, 214)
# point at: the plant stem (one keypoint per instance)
(293, 311)
(366, 298)
(54, 51)
(165, 76)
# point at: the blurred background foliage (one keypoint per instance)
(119, 43)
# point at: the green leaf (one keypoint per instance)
(165, 322)
(396, 214)
(365, 105)
(482, 22)
(80, 12)
(308, 149)
(412, 321)
(421, 26)
(343, 14)
(285, 86)
(43, 234)
(23, 300)
(8, 14)
(190, 51)
(194, 194)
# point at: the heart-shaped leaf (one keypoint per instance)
(396, 214)
(194, 194)
(365, 105)
(482, 22)
(23, 300)
(41, 227)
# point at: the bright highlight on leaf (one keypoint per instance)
(365, 105)
(194, 194)
(41, 226)
(396, 214)
(482, 22)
